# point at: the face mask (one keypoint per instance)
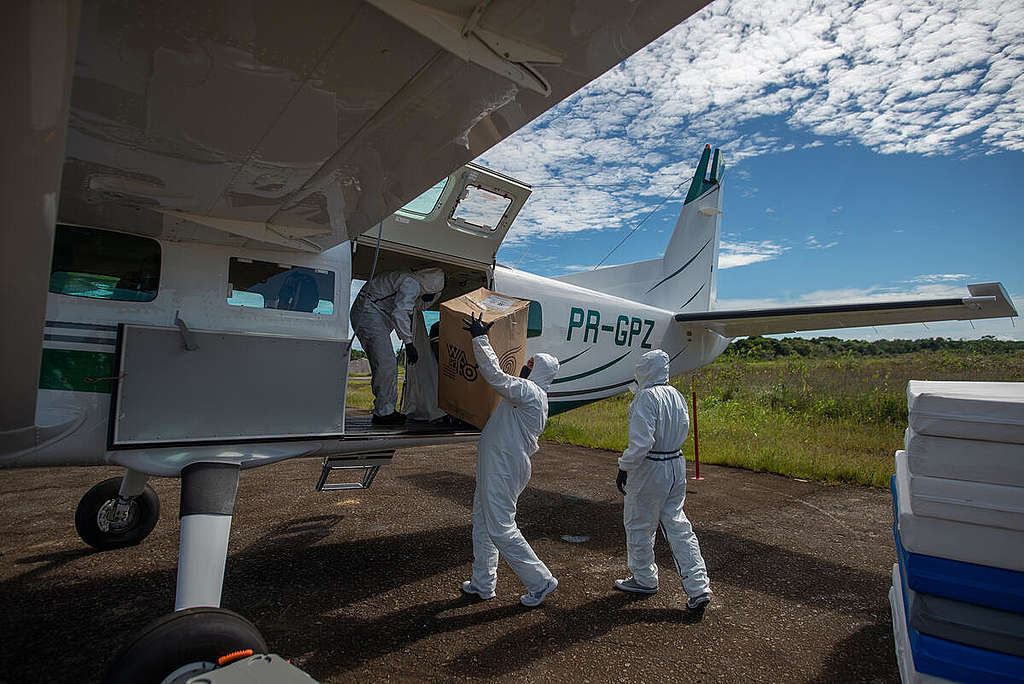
(525, 372)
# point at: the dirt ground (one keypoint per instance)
(363, 586)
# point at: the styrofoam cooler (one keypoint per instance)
(980, 503)
(973, 460)
(989, 411)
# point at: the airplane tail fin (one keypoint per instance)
(689, 268)
(684, 279)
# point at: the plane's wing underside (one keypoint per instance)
(986, 300)
(303, 124)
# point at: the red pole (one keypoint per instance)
(696, 442)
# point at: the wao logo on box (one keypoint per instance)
(459, 365)
(508, 361)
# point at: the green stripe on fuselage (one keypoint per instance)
(590, 372)
(77, 371)
(556, 407)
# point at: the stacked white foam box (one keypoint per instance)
(958, 589)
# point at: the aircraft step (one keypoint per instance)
(368, 463)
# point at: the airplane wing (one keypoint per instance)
(303, 124)
(986, 300)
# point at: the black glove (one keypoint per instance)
(411, 355)
(476, 326)
(620, 481)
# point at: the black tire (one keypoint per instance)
(192, 637)
(142, 517)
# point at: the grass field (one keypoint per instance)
(834, 420)
(360, 396)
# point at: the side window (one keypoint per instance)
(266, 285)
(535, 322)
(480, 209)
(425, 204)
(102, 264)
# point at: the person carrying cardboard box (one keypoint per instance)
(503, 470)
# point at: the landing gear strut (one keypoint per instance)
(199, 636)
(113, 516)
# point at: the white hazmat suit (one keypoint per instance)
(503, 469)
(656, 485)
(387, 303)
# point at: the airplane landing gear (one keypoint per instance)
(108, 517)
(198, 636)
(184, 644)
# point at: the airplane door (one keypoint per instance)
(462, 221)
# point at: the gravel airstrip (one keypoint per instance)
(363, 586)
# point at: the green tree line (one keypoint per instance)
(759, 347)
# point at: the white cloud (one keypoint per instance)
(733, 253)
(813, 243)
(922, 77)
(940, 277)
(769, 210)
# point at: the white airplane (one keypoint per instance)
(225, 175)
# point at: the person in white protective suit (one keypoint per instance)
(652, 476)
(503, 469)
(387, 302)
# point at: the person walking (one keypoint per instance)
(652, 477)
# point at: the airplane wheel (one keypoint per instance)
(97, 530)
(184, 644)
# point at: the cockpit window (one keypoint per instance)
(267, 285)
(480, 208)
(425, 204)
(102, 264)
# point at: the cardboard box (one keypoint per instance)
(461, 392)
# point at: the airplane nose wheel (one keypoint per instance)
(105, 520)
(184, 644)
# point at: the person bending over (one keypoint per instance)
(387, 303)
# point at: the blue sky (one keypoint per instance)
(873, 150)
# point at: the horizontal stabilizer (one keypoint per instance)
(987, 300)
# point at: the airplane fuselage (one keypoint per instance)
(598, 339)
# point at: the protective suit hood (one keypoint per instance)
(431, 279)
(652, 369)
(545, 367)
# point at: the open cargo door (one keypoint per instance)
(458, 224)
